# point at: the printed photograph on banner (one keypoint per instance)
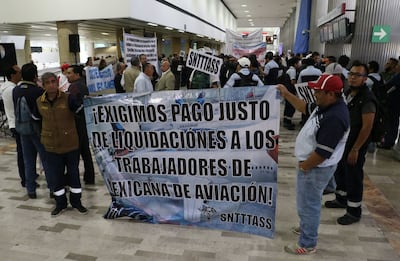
(206, 158)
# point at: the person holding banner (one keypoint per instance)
(243, 77)
(319, 147)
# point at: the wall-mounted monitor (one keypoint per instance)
(343, 27)
(8, 57)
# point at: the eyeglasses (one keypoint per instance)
(355, 74)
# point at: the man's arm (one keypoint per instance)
(367, 123)
(299, 104)
(311, 162)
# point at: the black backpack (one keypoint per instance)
(245, 80)
(24, 123)
(379, 89)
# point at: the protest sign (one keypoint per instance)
(98, 81)
(203, 62)
(305, 93)
(205, 158)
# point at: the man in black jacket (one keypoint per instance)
(349, 174)
(79, 89)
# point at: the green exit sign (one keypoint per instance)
(381, 33)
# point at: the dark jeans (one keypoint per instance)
(84, 150)
(31, 146)
(20, 158)
(56, 166)
(349, 180)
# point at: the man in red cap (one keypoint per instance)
(62, 78)
(319, 147)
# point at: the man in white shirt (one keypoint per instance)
(310, 73)
(243, 77)
(13, 75)
(143, 81)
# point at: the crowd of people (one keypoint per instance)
(330, 148)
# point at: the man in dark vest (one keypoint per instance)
(243, 77)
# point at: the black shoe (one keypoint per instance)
(81, 209)
(51, 195)
(289, 125)
(334, 204)
(383, 146)
(327, 191)
(32, 195)
(347, 219)
(57, 211)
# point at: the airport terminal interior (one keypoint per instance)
(28, 232)
(370, 31)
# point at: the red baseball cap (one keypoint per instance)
(64, 66)
(327, 82)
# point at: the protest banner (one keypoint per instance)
(100, 81)
(203, 62)
(240, 45)
(206, 158)
(136, 45)
(304, 92)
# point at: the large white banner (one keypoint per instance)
(206, 158)
(240, 45)
(136, 45)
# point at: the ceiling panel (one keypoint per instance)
(264, 14)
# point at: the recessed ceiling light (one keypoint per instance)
(152, 24)
(244, 5)
(249, 15)
(47, 34)
(105, 33)
(246, 11)
(250, 20)
(5, 31)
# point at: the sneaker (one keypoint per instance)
(297, 250)
(334, 204)
(57, 211)
(347, 219)
(296, 230)
(81, 209)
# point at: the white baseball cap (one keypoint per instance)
(244, 62)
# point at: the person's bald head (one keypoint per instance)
(165, 66)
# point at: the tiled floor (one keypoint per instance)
(27, 232)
